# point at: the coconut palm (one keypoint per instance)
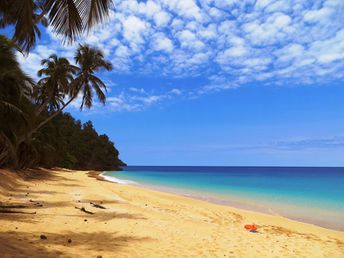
(90, 61)
(14, 82)
(15, 88)
(52, 88)
(68, 18)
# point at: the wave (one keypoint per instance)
(117, 180)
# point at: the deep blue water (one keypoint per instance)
(312, 194)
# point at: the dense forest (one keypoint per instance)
(70, 144)
(34, 130)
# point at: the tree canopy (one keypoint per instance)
(68, 143)
(68, 18)
(34, 131)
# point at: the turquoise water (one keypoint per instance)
(314, 195)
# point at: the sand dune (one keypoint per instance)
(137, 222)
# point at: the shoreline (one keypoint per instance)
(244, 205)
(139, 222)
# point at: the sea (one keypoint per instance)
(308, 194)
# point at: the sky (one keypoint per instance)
(226, 82)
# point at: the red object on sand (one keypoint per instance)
(251, 227)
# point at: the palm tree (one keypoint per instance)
(52, 88)
(15, 89)
(68, 18)
(90, 60)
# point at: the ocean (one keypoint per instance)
(308, 194)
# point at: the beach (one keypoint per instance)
(131, 221)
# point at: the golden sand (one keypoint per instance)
(138, 222)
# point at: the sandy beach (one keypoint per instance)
(129, 221)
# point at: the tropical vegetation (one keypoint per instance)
(34, 131)
(68, 18)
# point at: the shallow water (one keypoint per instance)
(314, 195)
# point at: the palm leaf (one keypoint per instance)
(65, 18)
(97, 11)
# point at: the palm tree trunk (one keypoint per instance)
(44, 104)
(44, 122)
(50, 117)
(8, 153)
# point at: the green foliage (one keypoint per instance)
(33, 129)
(69, 144)
(68, 18)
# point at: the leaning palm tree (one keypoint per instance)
(21, 120)
(90, 60)
(68, 18)
(53, 87)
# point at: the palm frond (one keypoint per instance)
(14, 109)
(98, 10)
(65, 18)
(25, 26)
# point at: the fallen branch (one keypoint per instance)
(84, 210)
(21, 212)
(97, 206)
(13, 206)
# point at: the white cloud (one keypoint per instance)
(137, 100)
(186, 36)
(162, 43)
(209, 32)
(272, 31)
(162, 19)
(227, 42)
(186, 8)
(290, 52)
(133, 29)
(176, 91)
(330, 50)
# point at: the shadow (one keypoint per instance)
(35, 205)
(115, 215)
(41, 208)
(103, 202)
(23, 244)
(14, 245)
(26, 193)
(18, 217)
(9, 180)
(13, 189)
(68, 185)
(40, 174)
(276, 230)
(29, 191)
(13, 180)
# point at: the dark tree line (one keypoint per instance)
(34, 131)
(70, 144)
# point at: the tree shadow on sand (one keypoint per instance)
(13, 180)
(22, 244)
(41, 174)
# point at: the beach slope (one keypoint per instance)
(61, 213)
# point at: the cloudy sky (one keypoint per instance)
(219, 82)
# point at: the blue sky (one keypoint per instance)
(223, 82)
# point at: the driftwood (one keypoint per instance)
(84, 210)
(13, 206)
(21, 212)
(97, 206)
